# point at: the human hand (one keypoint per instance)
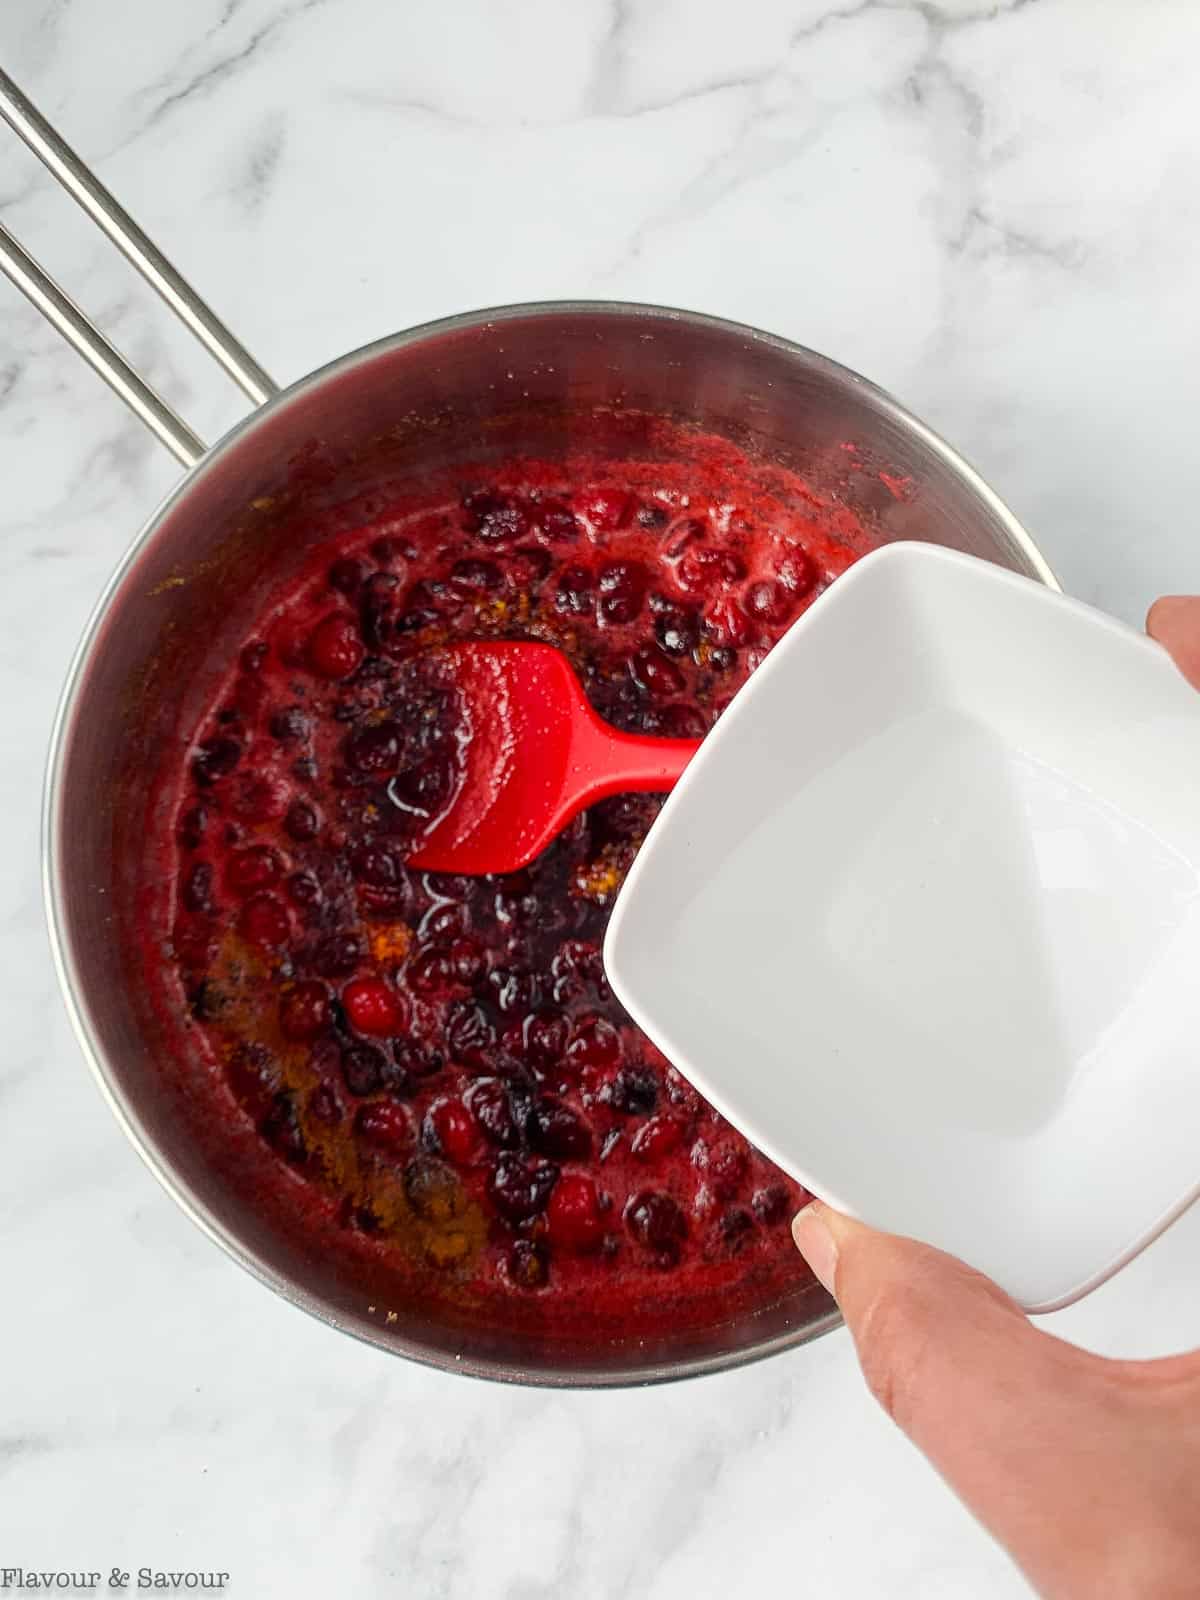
(1087, 1470)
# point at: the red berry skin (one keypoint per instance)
(387, 1126)
(573, 1216)
(334, 648)
(450, 1129)
(265, 921)
(656, 1138)
(726, 622)
(372, 1007)
(255, 868)
(703, 569)
(303, 1010)
(796, 572)
(608, 509)
(769, 602)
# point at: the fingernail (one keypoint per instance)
(816, 1243)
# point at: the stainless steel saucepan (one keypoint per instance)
(484, 385)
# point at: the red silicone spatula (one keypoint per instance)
(534, 754)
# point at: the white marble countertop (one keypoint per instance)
(990, 208)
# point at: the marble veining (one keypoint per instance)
(989, 208)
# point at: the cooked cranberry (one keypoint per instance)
(735, 1227)
(289, 724)
(335, 649)
(433, 1189)
(215, 759)
(685, 536)
(519, 1188)
(193, 825)
(653, 672)
(346, 576)
(198, 889)
(264, 920)
(385, 1125)
(255, 868)
(528, 1264)
(450, 1130)
(253, 656)
(423, 790)
(443, 923)
(703, 568)
(596, 1045)
(324, 1105)
(254, 1077)
(303, 889)
(417, 1060)
(302, 821)
(338, 954)
(556, 1130)
(325, 1057)
(466, 960)
(303, 1009)
(469, 1034)
(796, 573)
(379, 608)
(362, 1068)
(546, 1036)
(657, 1138)
(726, 622)
(722, 659)
(372, 1007)
(373, 748)
(769, 602)
(513, 990)
(723, 1164)
(574, 592)
(580, 956)
(635, 1091)
(657, 1223)
(682, 722)
(653, 517)
(496, 518)
(489, 1103)
(608, 509)
(772, 1203)
(622, 588)
(430, 973)
(573, 1216)
(476, 577)
(427, 600)
(626, 817)
(281, 1129)
(528, 566)
(558, 523)
(378, 865)
(676, 632)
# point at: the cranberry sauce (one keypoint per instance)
(440, 1060)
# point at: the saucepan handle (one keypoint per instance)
(62, 312)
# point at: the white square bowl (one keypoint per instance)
(922, 919)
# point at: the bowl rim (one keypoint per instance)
(122, 1106)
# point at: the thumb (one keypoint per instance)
(1175, 622)
(1020, 1424)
